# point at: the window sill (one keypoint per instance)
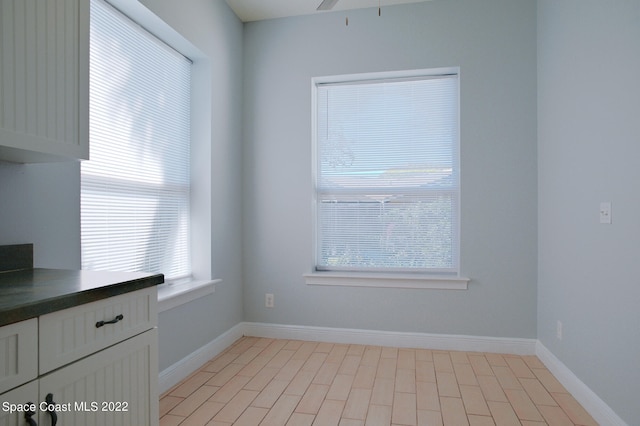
(171, 295)
(356, 279)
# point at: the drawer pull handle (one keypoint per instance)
(113, 321)
(28, 414)
(50, 403)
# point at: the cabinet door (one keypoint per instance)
(117, 386)
(18, 353)
(24, 394)
(44, 80)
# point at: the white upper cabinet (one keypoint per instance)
(44, 80)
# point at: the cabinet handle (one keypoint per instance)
(49, 400)
(113, 321)
(28, 414)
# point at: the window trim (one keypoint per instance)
(384, 278)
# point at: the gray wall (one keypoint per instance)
(589, 147)
(494, 43)
(40, 203)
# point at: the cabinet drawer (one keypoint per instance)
(19, 353)
(70, 334)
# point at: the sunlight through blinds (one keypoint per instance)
(135, 187)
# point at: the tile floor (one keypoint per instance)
(274, 382)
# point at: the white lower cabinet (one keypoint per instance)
(116, 386)
(106, 373)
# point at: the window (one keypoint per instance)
(387, 184)
(135, 190)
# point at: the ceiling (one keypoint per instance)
(256, 10)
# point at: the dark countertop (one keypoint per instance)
(30, 293)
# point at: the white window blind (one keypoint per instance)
(135, 187)
(387, 174)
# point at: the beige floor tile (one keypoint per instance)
(383, 392)
(280, 359)
(261, 379)
(496, 360)
(406, 359)
(447, 384)
(386, 368)
(230, 389)
(480, 365)
(429, 418)
(221, 361)
(427, 396)
(357, 404)
(365, 377)
(459, 357)
(519, 367)
(424, 355)
(379, 415)
(290, 369)
(453, 412)
(425, 371)
(252, 416)
(574, 410)
(404, 410)
(167, 403)
(442, 362)
(340, 387)
(193, 401)
(371, 356)
(305, 350)
(405, 381)
(299, 419)
(480, 420)
(555, 416)
(523, 406)
(234, 408)
(187, 387)
(329, 413)
(503, 414)
(491, 389)
(550, 383)
(474, 402)
(326, 374)
(300, 383)
(276, 382)
(224, 375)
(350, 365)
(282, 410)
(537, 392)
(506, 378)
(312, 399)
(203, 414)
(170, 420)
(465, 374)
(270, 394)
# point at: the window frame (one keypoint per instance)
(381, 277)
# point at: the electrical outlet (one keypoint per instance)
(268, 300)
(605, 212)
(559, 330)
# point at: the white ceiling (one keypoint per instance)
(256, 10)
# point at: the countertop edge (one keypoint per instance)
(47, 305)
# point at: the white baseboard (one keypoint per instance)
(599, 410)
(179, 371)
(393, 338)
